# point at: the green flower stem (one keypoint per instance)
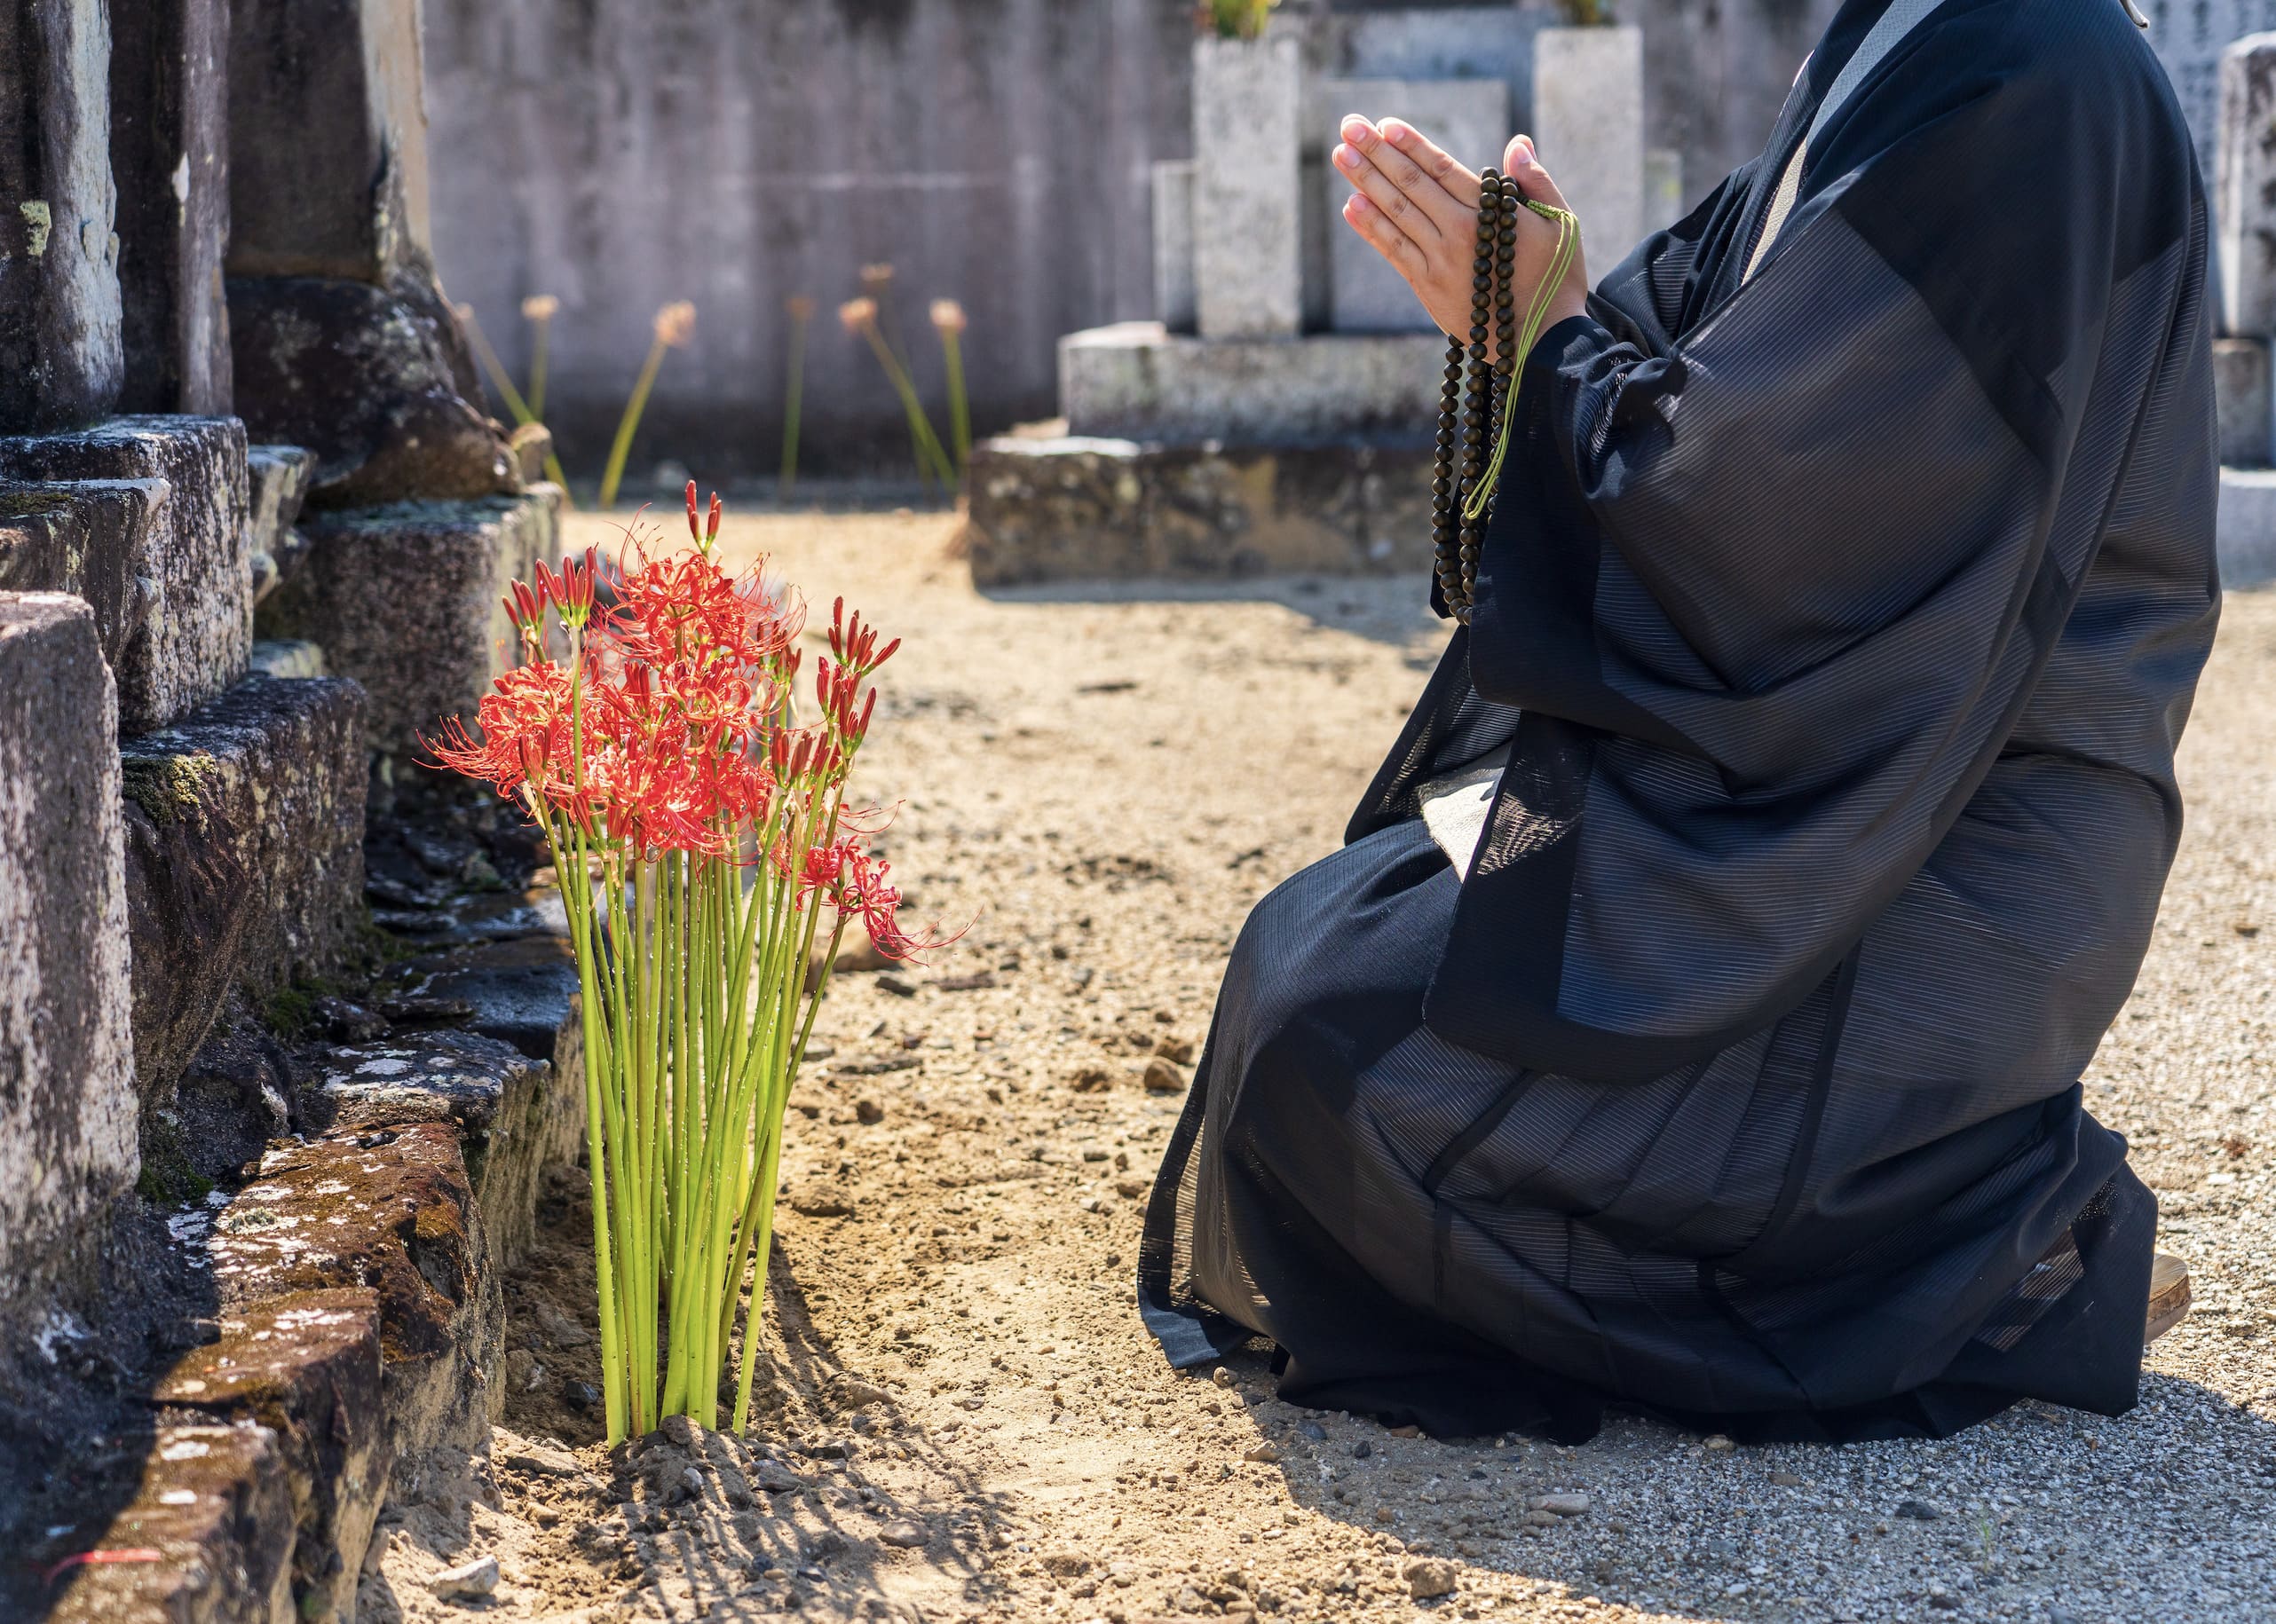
(959, 409)
(794, 400)
(540, 343)
(932, 461)
(524, 411)
(613, 475)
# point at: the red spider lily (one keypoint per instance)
(571, 588)
(698, 831)
(837, 689)
(709, 533)
(863, 889)
(856, 644)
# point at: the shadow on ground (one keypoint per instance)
(2040, 1513)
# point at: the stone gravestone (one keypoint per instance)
(1247, 259)
(170, 155)
(1588, 126)
(2189, 36)
(1456, 41)
(2243, 174)
(1469, 118)
(2244, 211)
(59, 355)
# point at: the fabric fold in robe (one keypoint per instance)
(1839, 623)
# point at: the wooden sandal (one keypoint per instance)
(2169, 1296)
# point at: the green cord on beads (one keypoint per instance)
(1568, 237)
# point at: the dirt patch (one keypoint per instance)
(968, 1422)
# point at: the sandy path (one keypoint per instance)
(1104, 784)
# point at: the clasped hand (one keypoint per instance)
(1419, 207)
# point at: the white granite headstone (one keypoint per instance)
(2244, 186)
(1247, 259)
(2189, 36)
(1588, 126)
(1453, 42)
(1469, 118)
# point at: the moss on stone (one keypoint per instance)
(289, 1010)
(167, 1180)
(171, 787)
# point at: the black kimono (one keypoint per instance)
(1840, 621)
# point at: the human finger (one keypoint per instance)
(1363, 215)
(1522, 164)
(1455, 178)
(1387, 199)
(1421, 189)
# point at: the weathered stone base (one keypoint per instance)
(186, 634)
(1076, 509)
(1137, 379)
(367, 380)
(216, 1505)
(406, 600)
(2246, 528)
(307, 1367)
(67, 1140)
(503, 1104)
(360, 1323)
(393, 1209)
(244, 857)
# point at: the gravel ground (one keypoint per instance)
(966, 1420)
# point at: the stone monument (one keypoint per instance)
(2244, 205)
(1276, 416)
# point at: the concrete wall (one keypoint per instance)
(620, 153)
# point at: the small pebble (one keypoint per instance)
(476, 1578)
(1314, 1431)
(1361, 1450)
(1562, 1505)
(1919, 1510)
(1162, 1077)
(1262, 1453)
(904, 1534)
(1432, 1576)
(1717, 1444)
(869, 1111)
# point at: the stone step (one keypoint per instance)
(405, 599)
(82, 537)
(1071, 508)
(184, 630)
(391, 1208)
(67, 1141)
(360, 1323)
(287, 657)
(307, 1365)
(209, 1537)
(279, 476)
(514, 1113)
(244, 857)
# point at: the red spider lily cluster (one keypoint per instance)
(693, 794)
(667, 728)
